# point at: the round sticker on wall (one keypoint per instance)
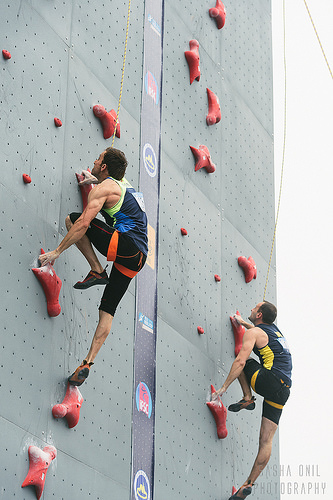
(151, 87)
(149, 159)
(141, 486)
(143, 399)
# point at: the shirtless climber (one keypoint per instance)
(271, 378)
(122, 238)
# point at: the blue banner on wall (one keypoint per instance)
(146, 304)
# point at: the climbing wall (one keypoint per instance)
(227, 214)
(65, 58)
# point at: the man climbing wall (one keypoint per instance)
(122, 239)
(271, 378)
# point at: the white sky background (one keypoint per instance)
(305, 238)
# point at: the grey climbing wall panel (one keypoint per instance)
(59, 69)
(227, 214)
(66, 57)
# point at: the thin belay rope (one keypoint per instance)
(322, 49)
(284, 147)
(123, 72)
(285, 122)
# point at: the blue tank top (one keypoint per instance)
(128, 215)
(275, 355)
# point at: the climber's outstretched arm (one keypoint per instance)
(236, 369)
(96, 200)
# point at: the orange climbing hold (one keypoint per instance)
(239, 331)
(26, 178)
(58, 122)
(193, 60)
(214, 110)
(51, 284)
(203, 159)
(108, 121)
(219, 412)
(249, 267)
(218, 13)
(6, 54)
(39, 462)
(70, 406)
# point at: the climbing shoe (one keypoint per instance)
(92, 278)
(243, 405)
(243, 492)
(80, 374)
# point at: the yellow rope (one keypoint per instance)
(123, 72)
(329, 69)
(284, 147)
(285, 124)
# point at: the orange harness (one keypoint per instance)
(112, 255)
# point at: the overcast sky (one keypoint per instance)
(305, 241)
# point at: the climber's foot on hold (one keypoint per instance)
(92, 278)
(243, 404)
(81, 374)
(243, 492)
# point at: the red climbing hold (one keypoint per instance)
(200, 330)
(183, 231)
(249, 268)
(203, 159)
(70, 407)
(108, 120)
(39, 462)
(219, 412)
(239, 331)
(218, 13)
(85, 189)
(58, 122)
(193, 60)
(217, 277)
(233, 490)
(214, 110)
(51, 284)
(26, 178)
(6, 54)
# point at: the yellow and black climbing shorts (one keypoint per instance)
(269, 385)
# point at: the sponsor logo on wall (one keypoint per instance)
(152, 87)
(154, 25)
(143, 399)
(146, 323)
(141, 486)
(149, 159)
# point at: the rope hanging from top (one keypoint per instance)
(283, 149)
(123, 71)
(322, 49)
(285, 124)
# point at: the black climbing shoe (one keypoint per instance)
(242, 493)
(81, 374)
(92, 278)
(243, 405)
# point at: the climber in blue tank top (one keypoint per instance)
(122, 239)
(270, 377)
(275, 356)
(128, 215)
